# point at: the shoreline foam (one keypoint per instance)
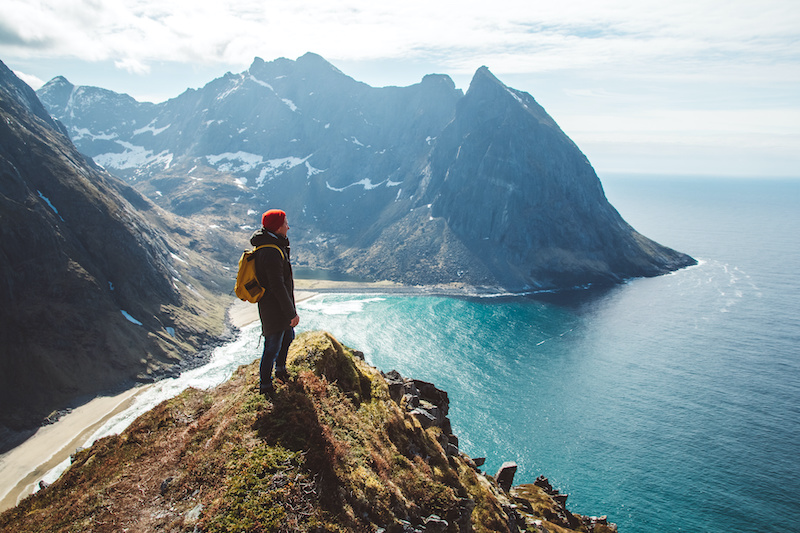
(23, 466)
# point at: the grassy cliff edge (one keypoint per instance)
(340, 447)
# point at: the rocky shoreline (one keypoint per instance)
(430, 405)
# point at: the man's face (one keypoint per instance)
(284, 228)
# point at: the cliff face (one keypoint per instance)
(420, 184)
(337, 448)
(526, 202)
(94, 279)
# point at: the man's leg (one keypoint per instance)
(280, 360)
(272, 347)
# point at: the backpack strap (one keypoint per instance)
(266, 246)
(270, 246)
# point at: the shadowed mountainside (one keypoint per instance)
(99, 287)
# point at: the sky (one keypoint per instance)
(645, 87)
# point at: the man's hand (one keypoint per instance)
(295, 321)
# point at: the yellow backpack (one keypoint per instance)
(247, 287)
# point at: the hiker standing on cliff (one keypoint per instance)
(276, 308)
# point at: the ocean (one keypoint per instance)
(670, 404)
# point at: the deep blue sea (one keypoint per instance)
(670, 404)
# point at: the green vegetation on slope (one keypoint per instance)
(331, 451)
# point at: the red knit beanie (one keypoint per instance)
(273, 219)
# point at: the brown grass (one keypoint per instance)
(329, 452)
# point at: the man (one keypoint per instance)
(276, 308)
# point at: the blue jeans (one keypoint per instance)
(276, 347)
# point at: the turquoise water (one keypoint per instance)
(670, 404)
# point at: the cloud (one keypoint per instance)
(134, 66)
(33, 81)
(514, 36)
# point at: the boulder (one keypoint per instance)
(505, 475)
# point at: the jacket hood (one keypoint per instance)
(262, 236)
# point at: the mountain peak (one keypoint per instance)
(434, 79)
(484, 74)
(309, 58)
(484, 80)
(312, 57)
(316, 61)
(257, 62)
(309, 64)
(318, 142)
(58, 81)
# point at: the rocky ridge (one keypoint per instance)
(338, 447)
(423, 185)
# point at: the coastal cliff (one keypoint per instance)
(339, 447)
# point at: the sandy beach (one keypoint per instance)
(22, 467)
(242, 313)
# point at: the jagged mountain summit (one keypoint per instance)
(95, 281)
(421, 184)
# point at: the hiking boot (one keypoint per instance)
(266, 389)
(282, 375)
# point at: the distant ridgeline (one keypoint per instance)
(420, 184)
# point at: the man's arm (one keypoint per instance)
(275, 265)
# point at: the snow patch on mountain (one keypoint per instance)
(87, 96)
(132, 157)
(243, 162)
(276, 167)
(235, 84)
(227, 162)
(48, 202)
(151, 128)
(311, 170)
(262, 83)
(128, 316)
(366, 183)
(517, 97)
(78, 134)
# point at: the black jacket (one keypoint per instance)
(276, 308)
